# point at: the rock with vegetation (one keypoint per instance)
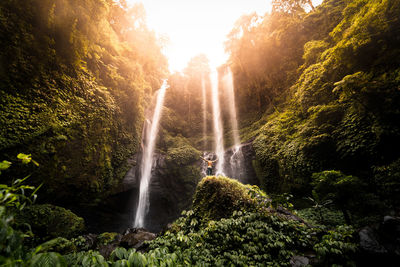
(174, 179)
(246, 236)
(49, 221)
(248, 233)
(60, 245)
(219, 197)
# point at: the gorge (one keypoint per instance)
(101, 156)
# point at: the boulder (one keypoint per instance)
(134, 238)
(218, 197)
(380, 244)
(369, 241)
(298, 261)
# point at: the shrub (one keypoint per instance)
(49, 221)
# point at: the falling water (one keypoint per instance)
(228, 79)
(237, 158)
(218, 131)
(204, 95)
(147, 159)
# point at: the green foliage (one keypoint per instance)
(11, 249)
(332, 117)
(73, 87)
(180, 152)
(4, 165)
(348, 193)
(218, 197)
(106, 238)
(26, 159)
(16, 195)
(86, 259)
(243, 239)
(387, 179)
(49, 221)
(59, 244)
(337, 247)
(48, 259)
(282, 200)
(80, 243)
(322, 217)
(182, 167)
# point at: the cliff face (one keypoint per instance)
(72, 92)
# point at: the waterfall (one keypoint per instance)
(147, 158)
(228, 80)
(218, 131)
(204, 95)
(237, 156)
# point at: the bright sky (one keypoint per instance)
(197, 26)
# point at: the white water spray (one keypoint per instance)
(147, 159)
(228, 79)
(218, 131)
(204, 95)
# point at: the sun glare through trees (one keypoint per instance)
(192, 27)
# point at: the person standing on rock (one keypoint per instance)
(209, 165)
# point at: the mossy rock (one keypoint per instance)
(180, 151)
(60, 245)
(49, 221)
(218, 197)
(107, 238)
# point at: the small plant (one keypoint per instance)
(12, 250)
(282, 200)
(16, 194)
(318, 204)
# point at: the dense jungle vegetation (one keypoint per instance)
(318, 94)
(75, 78)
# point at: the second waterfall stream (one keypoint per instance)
(150, 137)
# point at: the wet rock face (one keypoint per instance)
(171, 191)
(115, 213)
(239, 165)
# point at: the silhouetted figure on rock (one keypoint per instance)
(209, 165)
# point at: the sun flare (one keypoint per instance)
(194, 27)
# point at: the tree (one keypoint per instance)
(343, 190)
(291, 6)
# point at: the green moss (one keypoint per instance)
(49, 221)
(60, 245)
(179, 150)
(218, 197)
(106, 238)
